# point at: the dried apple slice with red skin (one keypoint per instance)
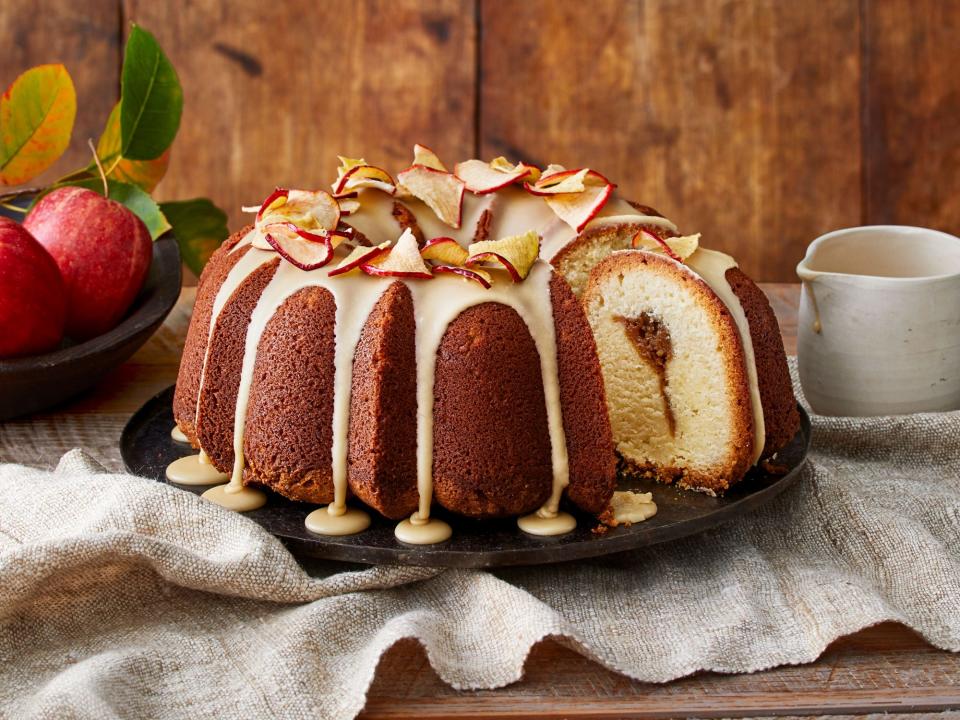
(644, 238)
(402, 261)
(678, 248)
(481, 178)
(307, 209)
(272, 198)
(364, 176)
(552, 169)
(259, 241)
(359, 256)
(441, 191)
(422, 155)
(564, 181)
(490, 257)
(305, 250)
(516, 254)
(475, 274)
(348, 205)
(577, 209)
(444, 250)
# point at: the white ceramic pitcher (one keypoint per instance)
(879, 330)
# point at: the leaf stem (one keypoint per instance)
(13, 208)
(96, 159)
(115, 163)
(75, 175)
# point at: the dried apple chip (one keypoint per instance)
(516, 254)
(475, 274)
(307, 209)
(422, 155)
(402, 261)
(304, 249)
(359, 256)
(678, 248)
(444, 250)
(441, 191)
(481, 178)
(577, 209)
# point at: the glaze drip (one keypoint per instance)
(712, 267)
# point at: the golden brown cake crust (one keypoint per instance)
(491, 451)
(195, 347)
(780, 417)
(383, 408)
(221, 376)
(575, 259)
(289, 423)
(593, 467)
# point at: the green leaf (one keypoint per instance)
(142, 205)
(151, 99)
(144, 173)
(36, 121)
(199, 226)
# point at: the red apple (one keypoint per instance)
(33, 303)
(103, 251)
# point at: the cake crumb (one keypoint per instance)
(626, 508)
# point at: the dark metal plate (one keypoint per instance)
(147, 449)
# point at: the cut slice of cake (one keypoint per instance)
(682, 353)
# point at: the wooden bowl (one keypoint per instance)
(36, 382)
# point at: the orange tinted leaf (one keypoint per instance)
(145, 173)
(36, 120)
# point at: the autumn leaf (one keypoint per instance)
(145, 173)
(199, 226)
(36, 121)
(151, 99)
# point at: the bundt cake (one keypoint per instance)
(408, 342)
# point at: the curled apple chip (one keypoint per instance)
(504, 165)
(481, 178)
(444, 250)
(350, 179)
(560, 181)
(259, 240)
(403, 260)
(679, 248)
(360, 255)
(516, 254)
(579, 208)
(422, 155)
(475, 274)
(307, 209)
(441, 191)
(306, 250)
(348, 206)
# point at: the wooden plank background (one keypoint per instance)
(761, 123)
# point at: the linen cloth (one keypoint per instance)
(123, 597)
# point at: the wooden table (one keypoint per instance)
(887, 668)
